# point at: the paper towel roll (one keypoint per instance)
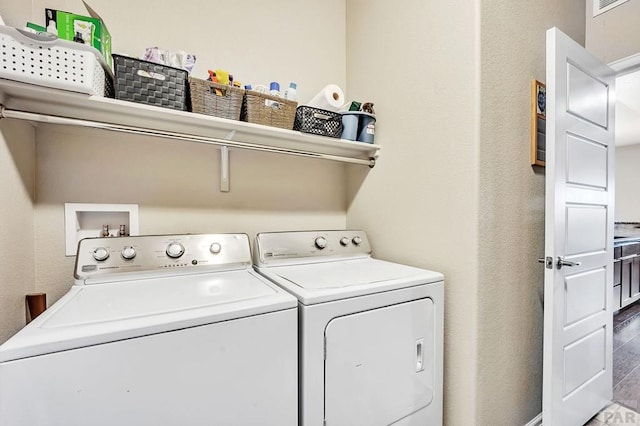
(330, 98)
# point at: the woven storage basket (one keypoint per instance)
(260, 108)
(150, 83)
(205, 100)
(318, 121)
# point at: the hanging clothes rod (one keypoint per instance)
(52, 119)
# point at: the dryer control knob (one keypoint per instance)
(175, 250)
(215, 248)
(321, 242)
(100, 254)
(357, 240)
(128, 252)
(344, 241)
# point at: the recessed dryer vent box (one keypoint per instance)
(87, 221)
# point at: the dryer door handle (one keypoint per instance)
(419, 355)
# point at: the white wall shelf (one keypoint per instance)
(42, 104)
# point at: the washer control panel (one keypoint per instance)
(278, 247)
(151, 253)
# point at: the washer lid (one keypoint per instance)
(100, 313)
(333, 280)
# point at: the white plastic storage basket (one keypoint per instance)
(46, 60)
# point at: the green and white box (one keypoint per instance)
(90, 30)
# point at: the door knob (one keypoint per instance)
(560, 262)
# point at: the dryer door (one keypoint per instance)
(379, 364)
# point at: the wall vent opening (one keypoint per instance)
(601, 6)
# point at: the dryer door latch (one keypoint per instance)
(419, 355)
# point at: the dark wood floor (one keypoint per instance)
(626, 357)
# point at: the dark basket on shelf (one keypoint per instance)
(215, 99)
(318, 121)
(260, 108)
(150, 83)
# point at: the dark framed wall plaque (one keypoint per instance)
(538, 123)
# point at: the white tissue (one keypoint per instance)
(330, 98)
(176, 59)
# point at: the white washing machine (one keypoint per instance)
(157, 330)
(371, 332)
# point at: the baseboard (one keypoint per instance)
(537, 421)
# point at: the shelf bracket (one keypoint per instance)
(224, 163)
(224, 168)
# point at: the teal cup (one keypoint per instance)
(350, 120)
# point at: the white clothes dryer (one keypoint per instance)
(371, 331)
(157, 330)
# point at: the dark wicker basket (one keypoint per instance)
(150, 83)
(260, 108)
(318, 121)
(205, 100)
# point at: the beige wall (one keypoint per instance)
(627, 178)
(614, 34)
(454, 190)
(17, 194)
(15, 13)
(177, 188)
(511, 227)
(257, 41)
(177, 184)
(420, 203)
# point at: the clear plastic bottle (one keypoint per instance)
(290, 93)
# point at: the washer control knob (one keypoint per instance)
(215, 248)
(175, 250)
(128, 252)
(344, 241)
(101, 254)
(321, 242)
(357, 240)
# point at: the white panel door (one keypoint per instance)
(578, 282)
(380, 365)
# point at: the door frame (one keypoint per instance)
(626, 65)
